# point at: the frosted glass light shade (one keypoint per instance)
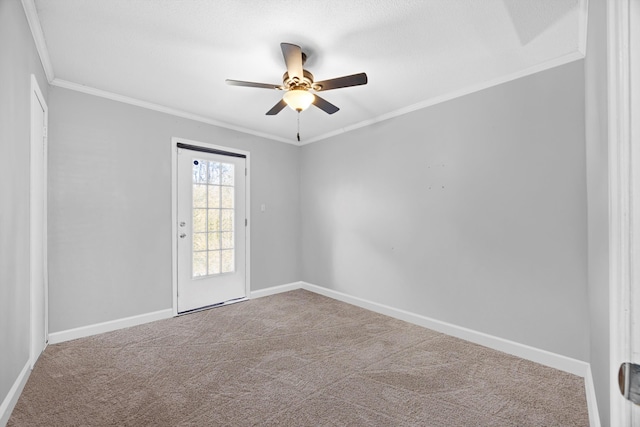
(298, 99)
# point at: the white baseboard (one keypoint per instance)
(98, 328)
(11, 399)
(557, 361)
(553, 360)
(547, 358)
(592, 404)
(275, 290)
(112, 325)
(544, 357)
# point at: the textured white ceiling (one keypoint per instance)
(177, 54)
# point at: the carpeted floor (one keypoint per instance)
(292, 359)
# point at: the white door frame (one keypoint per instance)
(174, 211)
(623, 44)
(38, 174)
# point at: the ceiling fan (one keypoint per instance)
(299, 85)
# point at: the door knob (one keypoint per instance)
(629, 382)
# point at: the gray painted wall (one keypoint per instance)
(18, 60)
(598, 200)
(110, 208)
(502, 248)
(472, 212)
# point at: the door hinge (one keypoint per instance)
(245, 171)
(44, 131)
(246, 222)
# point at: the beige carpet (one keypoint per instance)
(293, 359)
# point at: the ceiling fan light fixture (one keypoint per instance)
(298, 99)
(298, 84)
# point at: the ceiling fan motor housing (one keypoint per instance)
(295, 83)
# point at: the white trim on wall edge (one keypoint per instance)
(563, 363)
(163, 109)
(553, 63)
(592, 404)
(439, 99)
(544, 357)
(43, 53)
(112, 325)
(583, 24)
(276, 290)
(12, 397)
(31, 13)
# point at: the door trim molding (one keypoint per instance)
(36, 96)
(592, 401)
(624, 221)
(174, 211)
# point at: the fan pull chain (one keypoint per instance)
(298, 135)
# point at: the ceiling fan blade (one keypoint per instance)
(277, 108)
(324, 105)
(252, 84)
(337, 83)
(293, 58)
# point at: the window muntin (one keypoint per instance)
(213, 207)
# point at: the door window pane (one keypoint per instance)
(213, 213)
(214, 241)
(200, 196)
(199, 241)
(226, 221)
(199, 220)
(214, 173)
(199, 171)
(227, 240)
(226, 173)
(213, 220)
(214, 196)
(227, 197)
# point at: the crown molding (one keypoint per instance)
(574, 56)
(583, 23)
(38, 36)
(580, 53)
(162, 109)
(30, 11)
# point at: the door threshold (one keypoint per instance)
(220, 304)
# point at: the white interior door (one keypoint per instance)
(38, 226)
(211, 229)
